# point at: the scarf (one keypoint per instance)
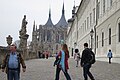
(62, 62)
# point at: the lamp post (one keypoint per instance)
(9, 40)
(91, 34)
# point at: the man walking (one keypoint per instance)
(85, 62)
(11, 64)
(109, 55)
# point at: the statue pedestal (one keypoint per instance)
(23, 45)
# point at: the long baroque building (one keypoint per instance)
(96, 22)
(49, 36)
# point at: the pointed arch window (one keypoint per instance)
(44, 35)
(62, 36)
(118, 32)
(57, 38)
(56, 47)
(48, 36)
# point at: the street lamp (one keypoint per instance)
(9, 40)
(91, 34)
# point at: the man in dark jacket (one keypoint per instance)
(11, 64)
(85, 62)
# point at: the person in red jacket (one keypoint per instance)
(63, 65)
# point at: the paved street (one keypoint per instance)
(42, 69)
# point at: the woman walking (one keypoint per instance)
(77, 57)
(63, 65)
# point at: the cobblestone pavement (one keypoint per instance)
(105, 59)
(42, 69)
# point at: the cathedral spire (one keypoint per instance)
(34, 26)
(63, 12)
(49, 12)
(74, 3)
(62, 22)
(49, 22)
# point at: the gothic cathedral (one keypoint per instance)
(49, 37)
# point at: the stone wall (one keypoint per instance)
(3, 51)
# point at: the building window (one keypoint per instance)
(119, 32)
(98, 10)
(111, 2)
(103, 6)
(97, 42)
(56, 47)
(102, 39)
(85, 26)
(44, 35)
(94, 15)
(90, 19)
(87, 22)
(109, 36)
(57, 38)
(48, 36)
(72, 51)
(89, 43)
(62, 36)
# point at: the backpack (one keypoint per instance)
(92, 57)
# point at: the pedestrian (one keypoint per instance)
(77, 57)
(63, 64)
(47, 54)
(109, 55)
(11, 64)
(85, 62)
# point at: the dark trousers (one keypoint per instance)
(77, 63)
(13, 75)
(65, 73)
(86, 72)
(109, 60)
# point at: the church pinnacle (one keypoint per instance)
(63, 12)
(62, 22)
(49, 22)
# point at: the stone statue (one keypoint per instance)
(23, 36)
(24, 23)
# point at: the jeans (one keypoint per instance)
(65, 73)
(13, 75)
(86, 71)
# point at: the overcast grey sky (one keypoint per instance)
(12, 12)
